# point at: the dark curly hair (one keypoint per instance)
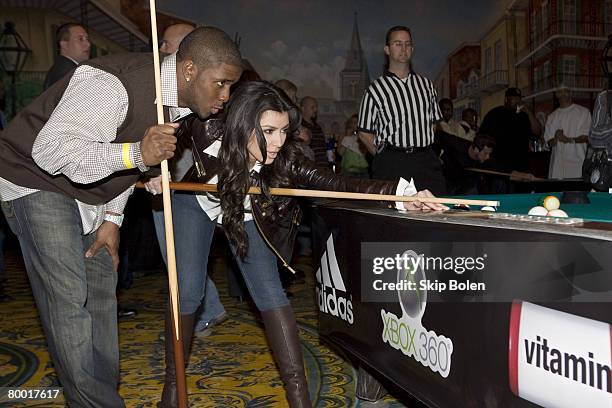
(247, 104)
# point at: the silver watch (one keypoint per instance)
(115, 219)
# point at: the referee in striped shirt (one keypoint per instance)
(396, 119)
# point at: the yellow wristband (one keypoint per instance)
(127, 160)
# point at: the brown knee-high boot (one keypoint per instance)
(282, 334)
(169, 397)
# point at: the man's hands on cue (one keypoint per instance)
(520, 176)
(158, 144)
(417, 205)
(154, 185)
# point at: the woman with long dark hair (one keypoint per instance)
(257, 147)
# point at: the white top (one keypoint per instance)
(211, 204)
(470, 134)
(454, 128)
(566, 159)
(351, 142)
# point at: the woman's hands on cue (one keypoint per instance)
(420, 206)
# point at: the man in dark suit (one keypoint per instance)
(74, 47)
(459, 154)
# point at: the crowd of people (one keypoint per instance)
(70, 159)
(402, 128)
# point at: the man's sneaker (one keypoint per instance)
(208, 328)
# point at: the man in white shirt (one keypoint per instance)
(468, 123)
(448, 124)
(567, 132)
(68, 164)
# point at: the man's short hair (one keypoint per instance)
(445, 100)
(193, 26)
(482, 140)
(286, 85)
(63, 32)
(304, 99)
(563, 86)
(467, 112)
(209, 47)
(394, 29)
(513, 92)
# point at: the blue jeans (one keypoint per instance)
(188, 234)
(195, 230)
(75, 296)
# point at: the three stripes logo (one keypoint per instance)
(331, 292)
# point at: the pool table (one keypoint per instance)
(530, 328)
(598, 209)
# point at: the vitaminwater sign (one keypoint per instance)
(407, 334)
(558, 359)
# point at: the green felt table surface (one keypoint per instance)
(599, 208)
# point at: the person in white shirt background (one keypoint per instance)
(469, 120)
(566, 133)
(448, 124)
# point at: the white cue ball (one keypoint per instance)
(551, 203)
(538, 210)
(557, 213)
(488, 208)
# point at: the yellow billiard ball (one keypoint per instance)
(551, 203)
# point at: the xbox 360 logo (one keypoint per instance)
(413, 302)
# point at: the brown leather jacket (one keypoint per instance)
(277, 219)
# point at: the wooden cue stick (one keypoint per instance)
(499, 173)
(295, 192)
(173, 288)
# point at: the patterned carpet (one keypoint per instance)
(230, 368)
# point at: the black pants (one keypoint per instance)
(423, 166)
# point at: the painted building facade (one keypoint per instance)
(37, 22)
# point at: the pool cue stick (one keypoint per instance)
(499, 173)
(296, 192)
(179, 362)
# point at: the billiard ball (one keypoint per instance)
(551, 203)
(557, 213)
(538, 210)
(488, 208)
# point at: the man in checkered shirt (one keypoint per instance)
(68, 163)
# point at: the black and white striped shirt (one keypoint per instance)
(399, 111)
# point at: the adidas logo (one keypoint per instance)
(331, 292)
